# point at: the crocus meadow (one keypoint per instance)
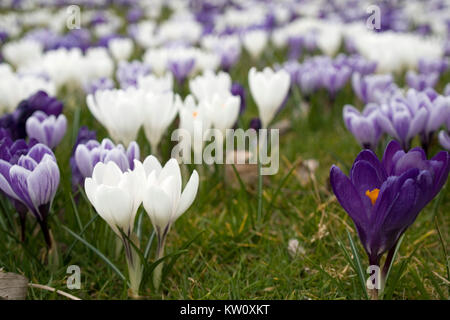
(103, 103)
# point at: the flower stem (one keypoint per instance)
(157, 273)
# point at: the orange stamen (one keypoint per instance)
(373, 195)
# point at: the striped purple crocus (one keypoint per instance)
(31, 179)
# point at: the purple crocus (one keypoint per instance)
(33, 180)
(373, 88)
(415, 113)
(421, 81)
(403, 119)
(384, 198)
(11, 152)
(46, 129)
(88, 154)
(295, 45)
(15, 122)
(334, 79)
(363, 126)
(181, 68)
(128, 73)
(84, 135)
(427, 66)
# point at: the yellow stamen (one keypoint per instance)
(373, 195)
(195, 114)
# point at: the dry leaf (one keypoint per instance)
(13, 286)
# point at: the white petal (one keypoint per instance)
(188, 195)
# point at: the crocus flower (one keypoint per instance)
(268, 89)
(156, 84)
(91, 152)
(383, 198)
(181, 67)
(222, 110)
(255, 41)
(373, 88)
(402, 119)
(421, 81)
(414, 113)
(84, 135)
(427, 66)
(11, 152)
(164, 200)
(116, 196)
(159, 111)
(119, 111)
(45, 129)
(194, 121)
(33, 181)
(121, 48)
(128, 73)
(204, 86)
(363, 126)
(40, 101)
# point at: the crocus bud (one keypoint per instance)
(255, 41)
(268, 89)
(121, 48)
(159, 110)
(45, 129)
(363, 126)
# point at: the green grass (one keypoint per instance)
(233, 254)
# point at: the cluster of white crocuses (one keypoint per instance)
(117, 196)
(153, 105)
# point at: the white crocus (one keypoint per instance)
(158, 111)
(120, 111)
(121, 48)
(255, 42)
(116, 196)
(268, 89)
(222, 110)
(15, 88)
(22, 53)
(194, 122)
(209, 83)
(156, 84)
(164, 200)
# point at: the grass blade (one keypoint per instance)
(95, 250)
(357, 264)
